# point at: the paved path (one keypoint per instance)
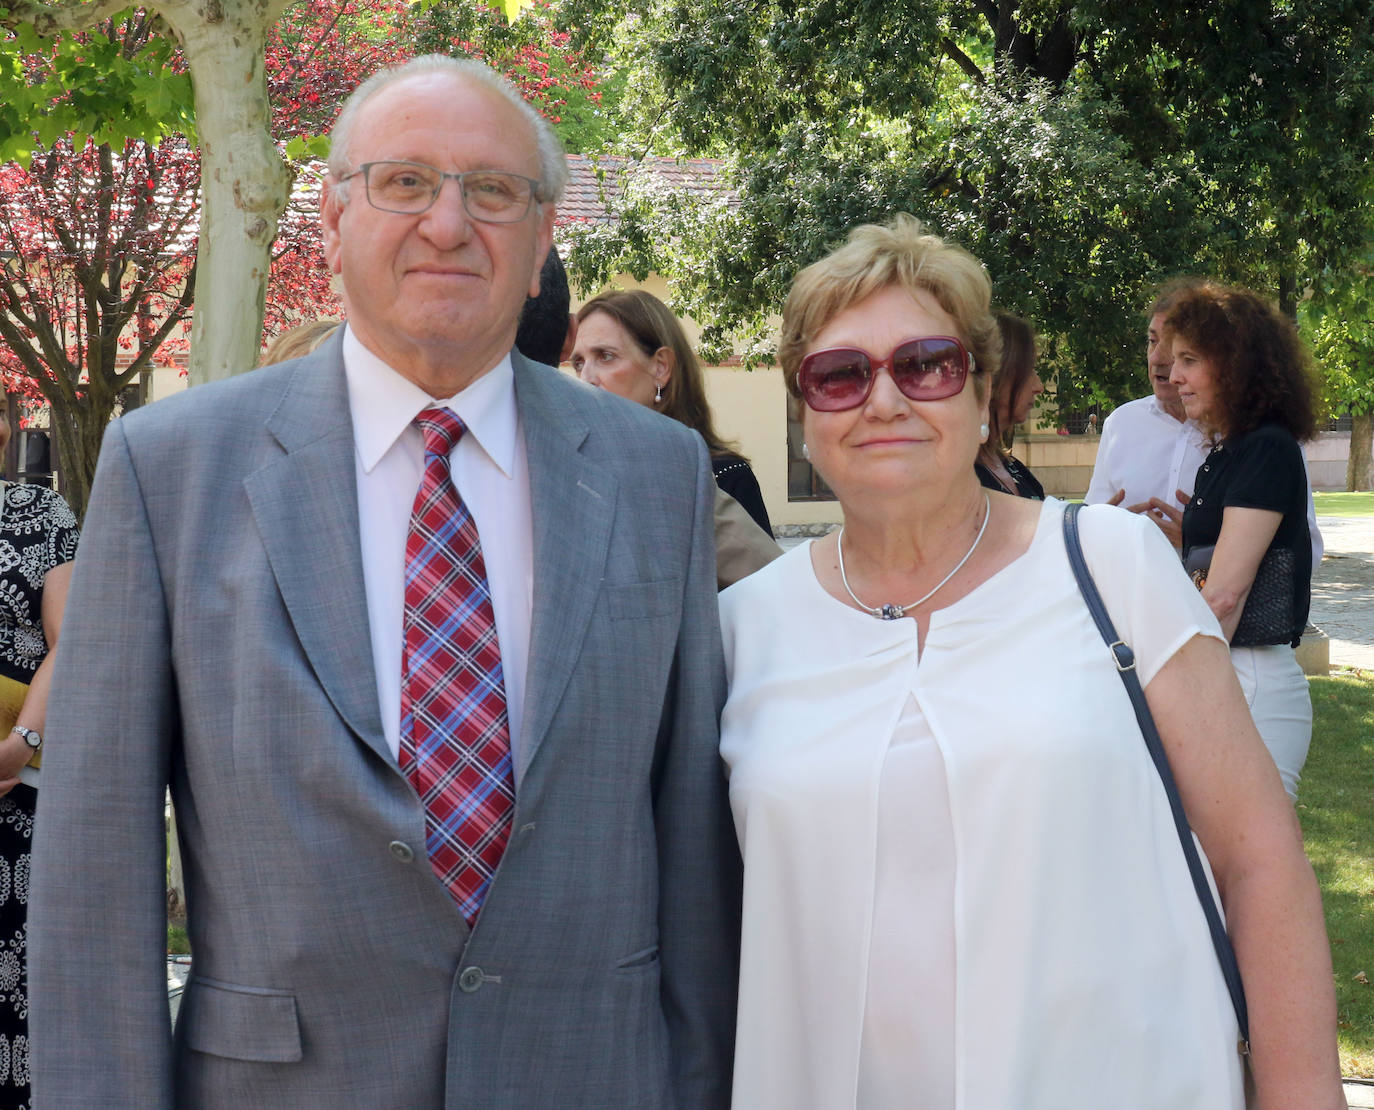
(1343, 590)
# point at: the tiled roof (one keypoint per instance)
(583, 199)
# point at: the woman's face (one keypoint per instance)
(1019, 407)
(890, 444)
(606, 355)
(1192, 372)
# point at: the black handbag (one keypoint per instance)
(1124, 658)
(1268, 616)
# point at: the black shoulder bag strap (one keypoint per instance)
(1125, 666)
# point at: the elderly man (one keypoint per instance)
(423, 636)
(1150, 451)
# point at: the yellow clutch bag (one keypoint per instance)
(12, 695)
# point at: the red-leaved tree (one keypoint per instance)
(99, 274)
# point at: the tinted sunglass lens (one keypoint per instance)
(928, 369)
(835, 380)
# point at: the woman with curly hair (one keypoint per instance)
(1243, 375)
(1014, 390)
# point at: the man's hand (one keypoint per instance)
(1166, 516)
(1116, 498)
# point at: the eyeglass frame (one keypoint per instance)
(970, 366)
(364, 168)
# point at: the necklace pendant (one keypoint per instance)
(892, 612)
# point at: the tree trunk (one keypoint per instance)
(1358, 466)
(244, 183)
(77, 433)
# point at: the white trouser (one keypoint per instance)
(1276, 691)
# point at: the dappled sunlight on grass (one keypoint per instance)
(1344, 504)
(1336, 806)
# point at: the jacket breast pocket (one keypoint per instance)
(240, 1023)
(642, 600)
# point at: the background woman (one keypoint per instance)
(956, 899)
(1015, 387)
(631, 344)
(38, 535)
(1242, 374)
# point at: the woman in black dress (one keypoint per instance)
(628, 342)
(38, 535)
(1014, 390)
(1243, 376)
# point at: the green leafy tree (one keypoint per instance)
(1083, 150)
(1340, 326)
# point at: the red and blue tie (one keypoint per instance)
(455, 736)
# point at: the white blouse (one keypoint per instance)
(963, 888)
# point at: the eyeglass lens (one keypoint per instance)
(411, 187)
(839, 378)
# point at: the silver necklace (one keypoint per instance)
(891, 612)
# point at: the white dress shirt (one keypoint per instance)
(1148, 453)
(491, 474)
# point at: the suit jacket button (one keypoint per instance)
(401, 850)
(470, 979)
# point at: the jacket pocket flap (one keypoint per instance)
(241, 1023)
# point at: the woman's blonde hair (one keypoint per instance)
(298, 341)
(901, 253)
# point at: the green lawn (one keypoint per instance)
(1344, 504)
(1336, 807)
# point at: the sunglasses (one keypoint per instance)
(930, 368)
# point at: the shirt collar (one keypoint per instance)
(383, 405)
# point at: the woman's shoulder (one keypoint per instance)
(726, 462)
(38, 501)
(1269, 436)
(779, 587)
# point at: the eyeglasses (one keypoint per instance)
(930, 368)
(409, 188)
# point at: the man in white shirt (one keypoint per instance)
(1151, 450)
(423, 637)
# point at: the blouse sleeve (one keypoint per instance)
(1266, 473)
(63, 531)
(735, 477)
(1152, 601)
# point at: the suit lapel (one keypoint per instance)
(305, 504)
(572, 501)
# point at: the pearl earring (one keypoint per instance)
(806, 451)
(658, 394)
(983, 431)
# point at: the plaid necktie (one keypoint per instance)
(455, 738)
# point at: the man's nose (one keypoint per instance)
(446, 221)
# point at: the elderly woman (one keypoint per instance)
(962, 883)
(1014, 390)
(630, 343)
(1242, 375)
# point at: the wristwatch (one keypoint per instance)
(32, 737)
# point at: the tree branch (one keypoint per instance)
(62, 15)
(962, 60)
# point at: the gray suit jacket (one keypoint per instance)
(216, 638)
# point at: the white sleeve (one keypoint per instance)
(1100, 487)
(1151, 600)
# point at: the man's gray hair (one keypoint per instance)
(553, 163)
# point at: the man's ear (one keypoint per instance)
(571, 341)
(331, 208)
(543, 244)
